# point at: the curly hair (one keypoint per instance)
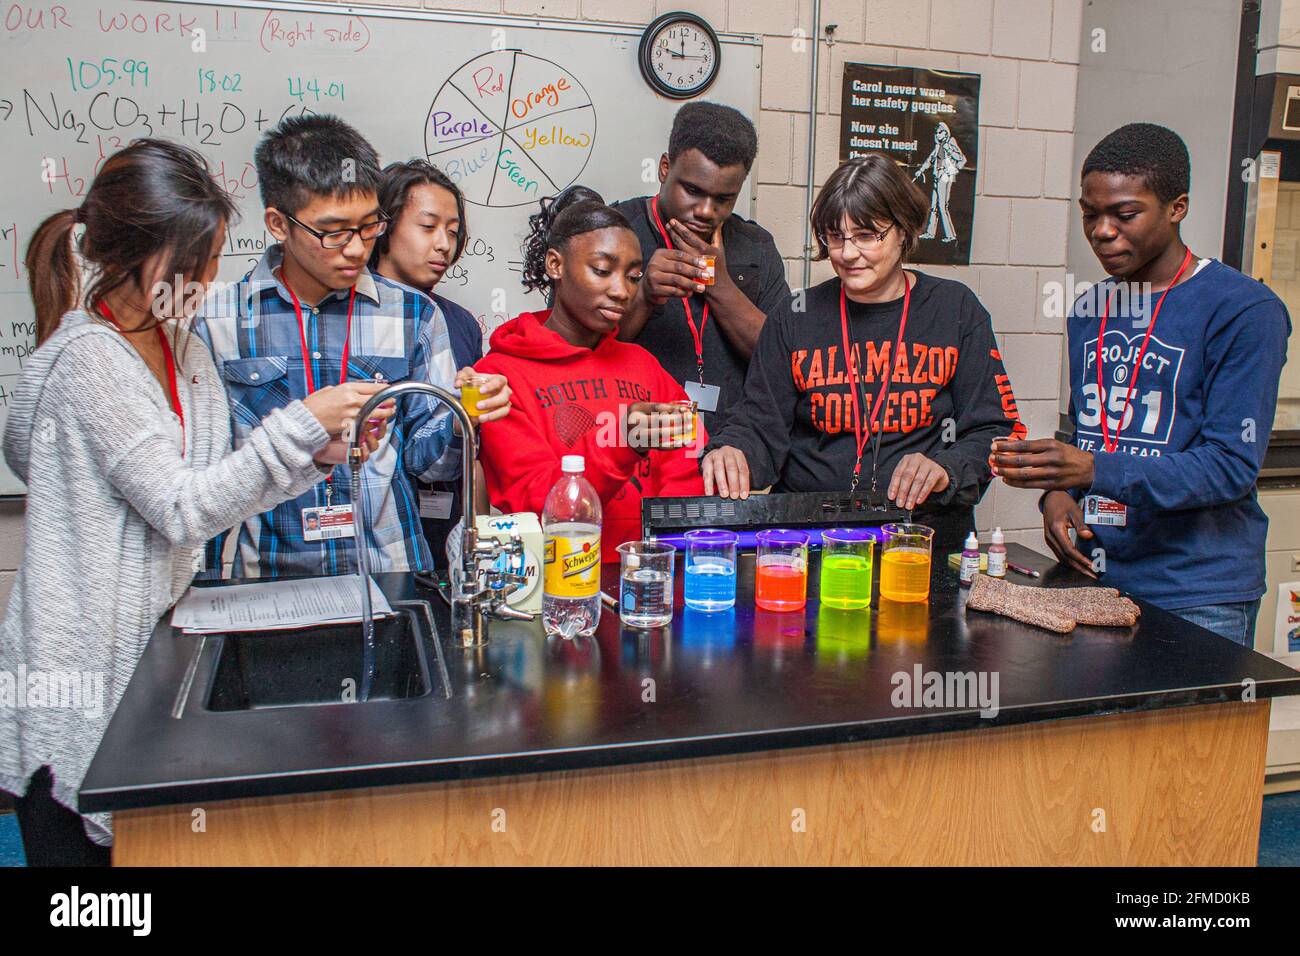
(724, 135)
(1155, 153)
(574, 211)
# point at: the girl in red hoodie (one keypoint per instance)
(578, 390)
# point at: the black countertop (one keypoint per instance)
(739, 681)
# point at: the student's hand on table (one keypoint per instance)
(1060, 514)
(915, 479)
(727, 470)
(1044, 463)
(692, 243)
(494, 396)
(336, 452)
(657, 425)
(672, 274)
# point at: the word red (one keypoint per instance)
(488, 81)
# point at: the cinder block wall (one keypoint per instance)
(1027, 52)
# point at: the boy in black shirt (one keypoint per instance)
(703, 334)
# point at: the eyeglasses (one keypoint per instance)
(862, 241)
(339, 238)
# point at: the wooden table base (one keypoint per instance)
(1174, 787)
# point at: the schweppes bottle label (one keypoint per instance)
(572, 566)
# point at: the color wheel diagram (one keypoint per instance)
(508, 128)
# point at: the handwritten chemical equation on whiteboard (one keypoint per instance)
(83, 79)
(509, 128)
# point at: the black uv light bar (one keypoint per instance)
(810, 510)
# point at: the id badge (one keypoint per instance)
(436, 504)
(704, 396)
(331, 521)
(1107, 511)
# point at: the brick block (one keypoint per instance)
(902, 23)
(1010, 295)
(1012, 161)
(964, 26)
(1022, 29)
(1047, 96)
(1038, 231)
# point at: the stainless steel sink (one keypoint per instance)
(255, 670)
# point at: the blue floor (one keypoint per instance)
(11, 844)
(1279, 830)
(1279, 834)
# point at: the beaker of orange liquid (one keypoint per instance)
(690, 418)
(781, 570)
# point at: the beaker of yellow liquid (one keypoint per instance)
(470, 395)
(905, 562)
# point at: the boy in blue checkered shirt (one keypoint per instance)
(311, 314)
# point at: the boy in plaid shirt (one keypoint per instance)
(311, 314)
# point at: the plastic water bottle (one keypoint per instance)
(571, 576)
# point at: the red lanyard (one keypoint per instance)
(696, 334)
(1108, 443)
(302, 336)
(306, 361)
(860, 439)
(173, 395)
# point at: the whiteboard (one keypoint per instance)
(512, 109)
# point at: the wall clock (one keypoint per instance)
(680, 55)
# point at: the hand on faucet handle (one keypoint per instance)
(336, 452)
(336, 405)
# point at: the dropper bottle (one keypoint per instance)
(998, 555)
(970, 560)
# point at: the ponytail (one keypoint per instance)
(52, 273)
(574, 211)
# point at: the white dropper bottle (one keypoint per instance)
(970, 560)
(998, 555)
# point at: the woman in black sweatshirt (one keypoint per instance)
(912, 412)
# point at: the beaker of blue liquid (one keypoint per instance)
(710, 570)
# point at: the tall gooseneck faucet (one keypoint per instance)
(478, 593)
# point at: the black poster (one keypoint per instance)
(927, 121)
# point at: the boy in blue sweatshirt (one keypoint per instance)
(1172, 412)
